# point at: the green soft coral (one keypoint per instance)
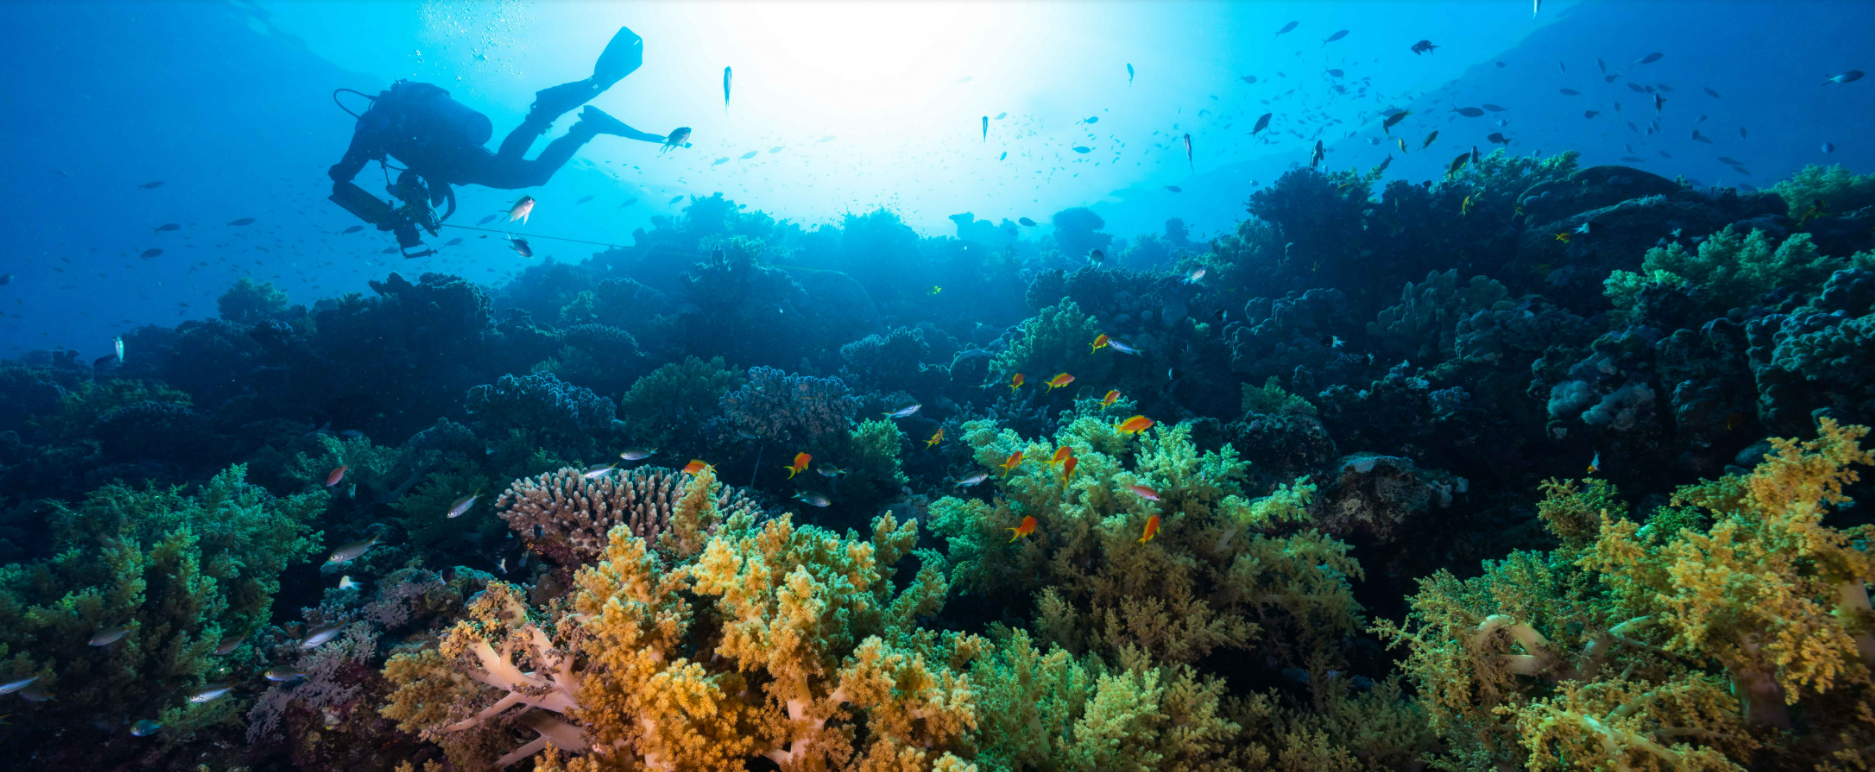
(1837, 190)
(1732, 270)
(676, 398)
(1218, 573)
(180, 570)
(1058, 339)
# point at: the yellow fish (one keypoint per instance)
(935, 289)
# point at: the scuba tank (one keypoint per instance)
(429, 111)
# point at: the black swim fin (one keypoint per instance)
(622, 57)
(603, 123)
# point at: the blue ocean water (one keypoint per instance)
(978, 386)
(228, 105)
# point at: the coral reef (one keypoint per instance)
(565, 517)
(797, 410)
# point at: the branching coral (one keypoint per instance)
(565, 517)
(797, 410)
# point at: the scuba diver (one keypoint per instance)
(440, 142)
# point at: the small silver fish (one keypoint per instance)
(830, 472)
(814, 499)
(210, 693)
(14, 686)
(110, 635)
(284, 674)
(319, 635)
(144, 728)
(346, 583)
(638, 454)
(1122, 346)
(462, 505)
(905, 411)
(972, 480)
(596, 472)
(349, 552)
(120, 349)
(229, 643)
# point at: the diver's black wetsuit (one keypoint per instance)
(441, 141)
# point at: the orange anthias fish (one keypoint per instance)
(697, 466)
(1152, 529)
(1100, 341)
(1134, 425)
(1067, 469)
(1015, 383)
(336, 475)
(1014, 460)
(1144, 492)
(1113, 395)
(800, 464)
(1060, 380)
(935, 438)
(521, 210)
(1027, 527)
(1062, 453)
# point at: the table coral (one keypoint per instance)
(565, 517)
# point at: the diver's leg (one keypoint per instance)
(521, 173)
(621, 57)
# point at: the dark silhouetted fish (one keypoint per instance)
(1082, 149)
(243, 221)
(1711, 93)
(1262, 123)
(1287, 28)
(1493, 108)
(1847, 77)
(1252, 79)
(1468, 112)
(1697, 137)
(583, 199)
(1025, 221)
(159, 183)
(1339, 34)
(149, 253)
(357, 228)
(486, 220)
(1649, 59)
(167, 227)
(1571, 92)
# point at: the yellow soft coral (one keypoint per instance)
(1777, 597)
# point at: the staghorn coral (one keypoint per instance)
(565, 517)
